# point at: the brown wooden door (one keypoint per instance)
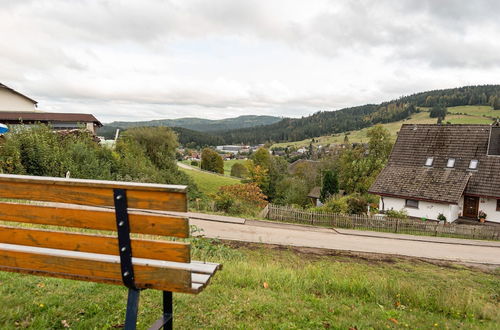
(471, 205)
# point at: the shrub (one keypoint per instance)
(356, 204)
(239, 170)
(195, 163)
(240, 199)
(337, 205)
(401, 214)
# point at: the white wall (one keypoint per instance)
(425, 209)
(489, 206)
(10, 101)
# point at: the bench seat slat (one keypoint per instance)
(93, 192)
(90, 267)
(94, 218)
(161, 250)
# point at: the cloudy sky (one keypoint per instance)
(142, 60)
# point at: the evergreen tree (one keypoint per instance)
(330, 185)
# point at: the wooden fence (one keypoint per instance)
(381, 223)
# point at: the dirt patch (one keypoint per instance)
(371, 258)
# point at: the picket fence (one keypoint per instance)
(380, 223)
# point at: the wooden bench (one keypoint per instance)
(121, 207)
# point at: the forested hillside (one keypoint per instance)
(204, 125)
(348, 119)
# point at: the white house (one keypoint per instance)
(11, 100)
(16, 108)
(452, 170)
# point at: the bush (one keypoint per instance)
(240, 199)
(195, 163)
(142, 155)
(239, 170)
(401, 214)
(337, 205)
(356, 204)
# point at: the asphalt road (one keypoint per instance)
(465, 251)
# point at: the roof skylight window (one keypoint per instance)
(473, 164)
(450, 163)
(429, 161)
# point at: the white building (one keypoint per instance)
(452, 170)
(11, 100)
(16, 108)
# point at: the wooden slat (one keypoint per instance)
(91, 267)
(100, 219)
(168, 251)
(93, 192)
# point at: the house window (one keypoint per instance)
(473, 164)
(450, 163)
(498, 204)
(429, 161)
(411, 203)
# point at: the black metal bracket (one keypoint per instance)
(124, 244)
(127, 269)
(166, 321)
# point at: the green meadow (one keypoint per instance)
(264, 288)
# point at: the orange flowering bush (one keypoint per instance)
(240, 198)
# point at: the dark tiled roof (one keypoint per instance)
(46, 117)
(406, 176)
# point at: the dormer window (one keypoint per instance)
(473, 164)
(450, 163)
(429, 161)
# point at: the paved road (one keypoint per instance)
(303, 236)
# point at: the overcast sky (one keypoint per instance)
(142, 60)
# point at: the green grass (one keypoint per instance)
(209, 183)
(227, 164)
(473, 115)
(303, 291)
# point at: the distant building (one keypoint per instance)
(17, 109)
(452, 170)
(232, 149)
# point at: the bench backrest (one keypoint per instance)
(89, 204)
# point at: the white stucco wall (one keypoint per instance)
(489, 206)
(10, 101)
(425, 209)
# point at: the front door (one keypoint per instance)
(471, 205)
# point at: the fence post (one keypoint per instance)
(397, 225)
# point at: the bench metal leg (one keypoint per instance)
(132, 309)
(166, 321)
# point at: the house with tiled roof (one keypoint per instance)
(17, 109)
(452, 170)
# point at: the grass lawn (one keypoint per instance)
(209, 183)
(473, 115)
(264, 288)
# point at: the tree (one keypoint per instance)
(379, 144)
(239, 170)
(438, 111)
(330, 186)
(211, 161)
(262, 158)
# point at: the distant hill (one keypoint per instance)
(203, 125)
(350, 119)
(464, 114)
